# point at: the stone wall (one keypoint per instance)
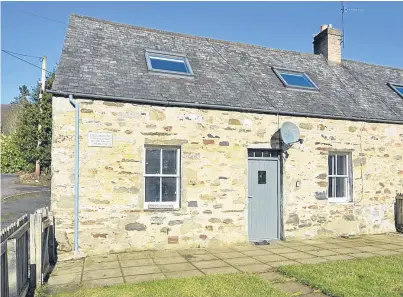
(214, 176)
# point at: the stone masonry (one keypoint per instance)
(214, 146)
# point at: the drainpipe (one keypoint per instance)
(76, 170)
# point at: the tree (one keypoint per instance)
(24, 141)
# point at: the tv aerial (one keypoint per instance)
(345, 9)
(290, 134)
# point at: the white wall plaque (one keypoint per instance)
(100, 139)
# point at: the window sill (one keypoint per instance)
(335, 201)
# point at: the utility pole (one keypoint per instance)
(42, 90)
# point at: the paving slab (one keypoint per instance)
(102, 282)
(259, 252)
(293, 288)
(176, 267)
(193, 252)
(345, 250)
(63, 279)
(338, 257)
(362, 255)
(140, 270)
(305, 248)
(66, 288)
(283, 263)
(102, 259)
(170, 260)
(220, 270)
(299, 255)
(210, 264)
(387, 253)
(68, 267)
(254, 268)
(390, 247)
(180, 274)
(100, 266)
(133, 256)
(270, 258)
(271, 276)
(197, 258)
(144, 277)
(369, 249)
(321, 253)
(249, 247)
(283, 251)
(314, 260)
(242, 261)
(327, 246)
(220, 250)
(98, 274)
(230, 255)
(163, 254)
(134, 263)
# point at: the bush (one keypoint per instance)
(12, 159)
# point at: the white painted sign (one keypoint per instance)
(100, 139)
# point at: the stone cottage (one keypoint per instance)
(178, 141)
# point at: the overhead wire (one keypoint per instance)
(24, 55)
(32, 64)
(42, 17)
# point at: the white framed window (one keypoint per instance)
(161, 177)
(339, 177)
(168, 63)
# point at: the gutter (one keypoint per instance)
(76, 170)
(218, 107)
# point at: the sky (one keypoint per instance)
(373, 35)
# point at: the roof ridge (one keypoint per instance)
(242, 44)
(372, 64)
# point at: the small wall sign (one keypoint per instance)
(100, 139)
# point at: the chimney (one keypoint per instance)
(328, 43)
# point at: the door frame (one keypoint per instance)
(279, 159)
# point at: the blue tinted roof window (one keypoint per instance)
(295, 79)
(169, 64)
(398, 88)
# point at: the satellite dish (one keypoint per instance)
(289, 133)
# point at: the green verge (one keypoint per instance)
(230, 285)
(375, 276)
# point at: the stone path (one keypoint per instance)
(136, 267)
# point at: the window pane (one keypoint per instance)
(341, 187)
(258, 153)
(153, 161)
(169, 161)
(399, 89)
(330, 188)
(331, 162)
(152, 189)
(341, 165)
(160, 63)
(250, 153)
(297, 79)
(168, 189)
(266, 154)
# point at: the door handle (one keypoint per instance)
(250, 197)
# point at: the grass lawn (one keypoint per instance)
(377, 276)
(205, 286)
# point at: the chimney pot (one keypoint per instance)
(323, 27)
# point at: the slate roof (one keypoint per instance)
(102, 58)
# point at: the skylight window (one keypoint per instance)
(295, 79)
(168, 63)
(398, 88)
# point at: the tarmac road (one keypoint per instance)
(17, 199)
